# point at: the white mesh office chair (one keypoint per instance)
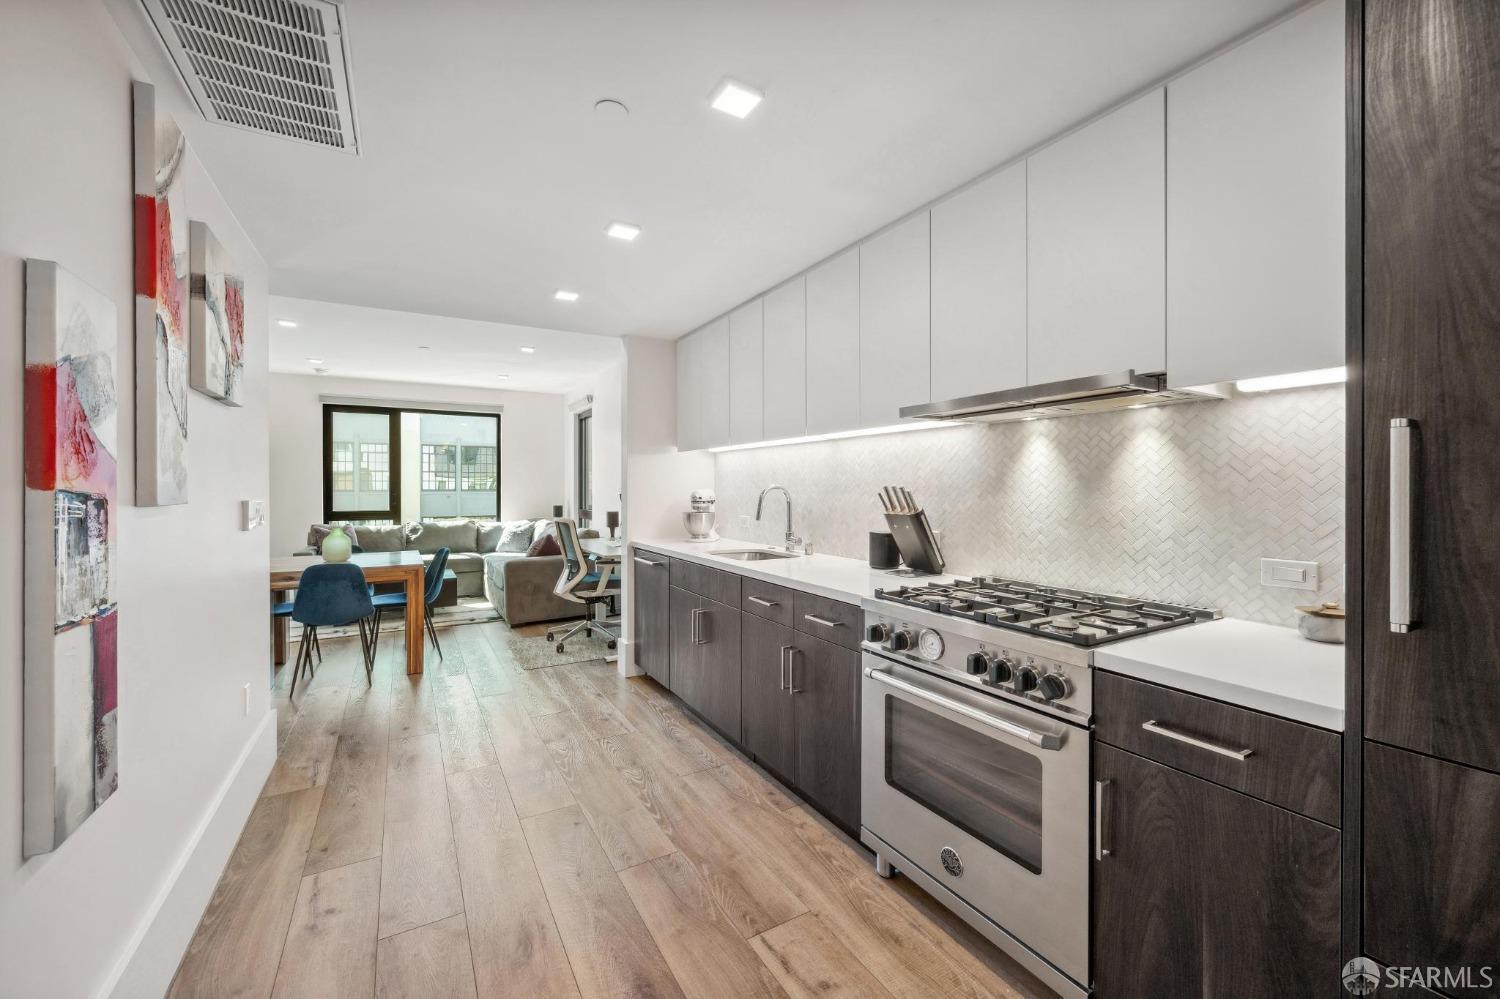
(583, 583)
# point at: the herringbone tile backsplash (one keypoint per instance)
(1175, 503)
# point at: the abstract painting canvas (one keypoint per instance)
(161, 304)
(70, 709)
(216, 319)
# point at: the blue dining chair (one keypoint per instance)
(332, 595)
(432, 581)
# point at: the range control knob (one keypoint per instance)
(1054, 686)
(1001, 670)
(978, 663)
(877, 632)
(1026, 679)
(900, 640)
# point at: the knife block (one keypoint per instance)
(918, 545)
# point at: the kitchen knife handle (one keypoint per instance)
(1402, 470)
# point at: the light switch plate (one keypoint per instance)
(252, 514)
(1289, 574)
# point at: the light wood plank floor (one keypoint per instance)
(482, 831)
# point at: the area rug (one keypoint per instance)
(535, 652)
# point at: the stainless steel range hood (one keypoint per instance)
(1074, 397)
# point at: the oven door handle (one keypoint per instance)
(1042, 740)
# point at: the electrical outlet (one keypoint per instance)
(1289, 574)
(247, 700)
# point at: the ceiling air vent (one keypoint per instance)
(274, 66)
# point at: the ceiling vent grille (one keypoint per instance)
(274, 66)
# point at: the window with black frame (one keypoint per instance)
(584, 471)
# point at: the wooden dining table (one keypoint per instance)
(403, 567)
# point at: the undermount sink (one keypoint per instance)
(754, 554)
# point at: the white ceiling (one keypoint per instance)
(352, 341)
(486, 178)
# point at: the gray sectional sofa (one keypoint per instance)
(488, 557)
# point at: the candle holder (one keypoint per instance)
(612, 521)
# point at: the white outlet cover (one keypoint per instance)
(1289, 574)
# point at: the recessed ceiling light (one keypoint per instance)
(528, 350)
(564, 295)
(734, 98)
(503, 378)
(290, 324)
(314, 360)
(623, 230)
(423, 347)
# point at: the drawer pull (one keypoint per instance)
(697, 629)
(1158, 729)
(647, 561)
(791, 671)
(822, 620)
(786, 655)
(761, 601)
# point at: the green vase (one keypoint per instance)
(336, 546)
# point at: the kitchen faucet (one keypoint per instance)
(793, 543)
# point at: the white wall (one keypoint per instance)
(531, 461)
(132, 881)
(606, 388)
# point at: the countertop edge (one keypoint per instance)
(753, 571)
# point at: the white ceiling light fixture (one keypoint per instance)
(564, 295)
(1296, 379)
(734, 98)
(314, 360)
(290, 324)
(503, 378)
(623, 230)
(528, 350)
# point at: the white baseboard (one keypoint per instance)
(150, 960)
(626, 666)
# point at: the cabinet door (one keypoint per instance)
(746, 363)
(784, 372)
(718, 697)
(1430, 860)
(825, 691)
(1208, 892)
(1255, 205)
(770, 732)
(979, 288)
(688, 383)
(1096, 247)
(685, 668)
(652, 616)
(895, 333)
(712, 368)
(833, 344)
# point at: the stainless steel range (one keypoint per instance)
(976, 703)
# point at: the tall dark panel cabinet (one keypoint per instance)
(1425, 663)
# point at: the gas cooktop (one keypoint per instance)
(1079, 617)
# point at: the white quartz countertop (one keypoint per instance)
(1254, 665)
(832, 576)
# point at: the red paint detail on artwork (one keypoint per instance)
(41, 426)
(145, 245)
(106, 656)
(234, 308)
(169, 290)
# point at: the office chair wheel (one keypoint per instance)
(612, 645)
(588, 633)
(559, 646)
(549, 637)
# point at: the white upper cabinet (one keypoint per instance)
(895, 337)
(784, 369)
(1096, 247)
(833, 344)
(1255, 238)
(687, 393)
(745, 366)
(979, 288)
(713, 383)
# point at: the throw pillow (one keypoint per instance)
(317, 532)
(517, 536)
(547, 544)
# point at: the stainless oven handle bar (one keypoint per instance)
(1157, 728)
(1402, 430)
(1042, 740)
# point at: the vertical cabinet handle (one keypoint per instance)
(785, 655)
(1100, 851)
(697, 630)
(1402, 431)
(791, 670)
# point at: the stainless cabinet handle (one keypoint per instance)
(1402, 431)
(647, 561)
(785, 655)
(821, 620)
(1100, 851)
(1158, 729)
(791, 670)
(763, 602)
(698, 627)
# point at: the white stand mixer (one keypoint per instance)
(699, 521)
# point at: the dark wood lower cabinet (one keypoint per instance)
(651, 616)
(766, 709)
(706, 658)
(825, 690)
(1432, 862)
(1206, 891)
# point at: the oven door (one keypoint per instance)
(989, 798)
